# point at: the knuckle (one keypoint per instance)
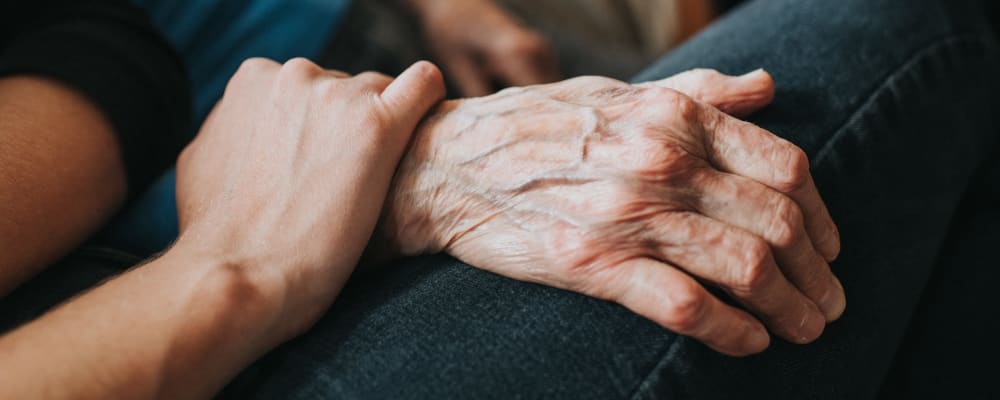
(250, 71)
(786, 222)
(793, 168)
(756, 269)
(575, 250)
(612, 92)
(254, 65)
(299, 65)
(591, 82)
(298, 69)
(706, 74)
(680, 105)
(686, 309)
(662, 157)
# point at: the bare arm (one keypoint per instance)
(177, 327)
(93, 105)
(60, 174)
(272, 224)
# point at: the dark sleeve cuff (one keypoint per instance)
(108, 51)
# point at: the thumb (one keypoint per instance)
(735, 95)
(413, 93)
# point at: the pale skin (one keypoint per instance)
(622, 192)
(61, 176)
(628, 193)
(637, 194)
(271, 229)
(699, 193)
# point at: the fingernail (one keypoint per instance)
(754, 73)
(833, 301)
(811, 327)
(836, 302)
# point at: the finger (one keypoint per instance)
(470, 79)
(674, 300)
(532, 61)
(742, 265)
(742, 148)
(751, 206)
(735, 95)
(412, 94)
(251, 76)
(526, 72)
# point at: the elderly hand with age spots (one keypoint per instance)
(630, 193)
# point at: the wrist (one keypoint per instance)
(248, 294)
(406, 227)
(421, 206)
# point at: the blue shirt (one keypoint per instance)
(213, 37)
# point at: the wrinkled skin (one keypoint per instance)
(630, 193)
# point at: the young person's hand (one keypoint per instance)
(277, 198)
(286, 179)
(630, 193)
(479, 44)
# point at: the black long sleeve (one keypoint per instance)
(109, 51)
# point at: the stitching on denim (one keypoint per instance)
(906, 67)
(918, 56)
(664, 359)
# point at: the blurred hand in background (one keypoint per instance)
(482, 47)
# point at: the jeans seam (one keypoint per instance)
(918, 56)
(933, 46)
(664, 359)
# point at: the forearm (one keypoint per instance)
(60, 174)
(177, 327)
(270, 232)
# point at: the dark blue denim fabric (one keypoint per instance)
(892, 100)
(952, 338)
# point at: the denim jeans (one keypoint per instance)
(894, 102)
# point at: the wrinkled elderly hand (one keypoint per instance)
(631, 193)
(478, 44)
